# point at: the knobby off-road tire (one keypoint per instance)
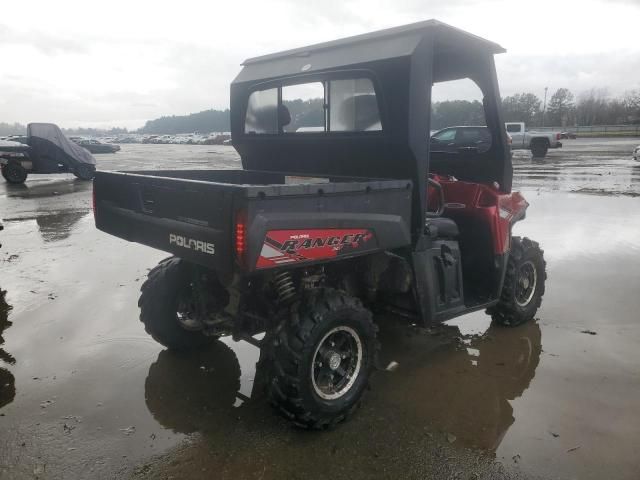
(14, 173)
(85, 171)
(539, 148)
(162, 294)
(308, 356)
(523, 284)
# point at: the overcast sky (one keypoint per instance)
(120, 63)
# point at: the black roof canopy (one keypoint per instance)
(403, 63)
(369, 47)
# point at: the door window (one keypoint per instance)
(448, 135)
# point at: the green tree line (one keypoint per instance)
(594, 107)
(204, 122)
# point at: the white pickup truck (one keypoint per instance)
(538, 142)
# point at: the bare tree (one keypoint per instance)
(632, 105)
(560, 109)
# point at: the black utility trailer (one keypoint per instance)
(48, 150)
(333, 215)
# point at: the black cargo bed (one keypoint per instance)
(154, 207)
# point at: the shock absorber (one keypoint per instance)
(284, 286)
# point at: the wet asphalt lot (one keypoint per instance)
(84, 393)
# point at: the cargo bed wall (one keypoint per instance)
(188, 219)
(324, 227)
(195, 219)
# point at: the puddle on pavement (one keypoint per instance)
(45, 187)
(7, 380)
(54, 226)
(86, 393)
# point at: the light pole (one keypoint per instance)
(544, 108)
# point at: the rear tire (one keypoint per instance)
(85, 171)
(523, 284)
(322, 359)
(14, 173)
(539, 148)
(166, 289)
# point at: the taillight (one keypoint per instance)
(558, 136)
(241, 236)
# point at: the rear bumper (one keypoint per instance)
(557, 145)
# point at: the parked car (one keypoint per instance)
(47, 151)
(636, 154)
(538, 142)
(462, 138)
(567, 135)
(96, 146)
(15, 138)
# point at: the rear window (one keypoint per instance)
(513, 128)
(354, 106)
(345, 105)
(262, 112)
(305, 106)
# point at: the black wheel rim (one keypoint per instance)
(526, 282)
(14, 174)
(337, 362)
(186, 310)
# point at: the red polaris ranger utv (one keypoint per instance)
(334, 212)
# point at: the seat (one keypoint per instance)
(442, 227)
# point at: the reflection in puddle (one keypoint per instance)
(184, 391)
(54, 226)
(57, 226)
(466, 390)
(7, 380)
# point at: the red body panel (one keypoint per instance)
(282, 247)
(484, 203)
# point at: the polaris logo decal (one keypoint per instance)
(289, 246)
(192, 244)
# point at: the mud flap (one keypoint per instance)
(438, 282)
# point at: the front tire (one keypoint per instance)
(166, 297)
(523, 286)
(14, 173)
(322, 359)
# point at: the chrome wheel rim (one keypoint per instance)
(526, 283)
(337, 362)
